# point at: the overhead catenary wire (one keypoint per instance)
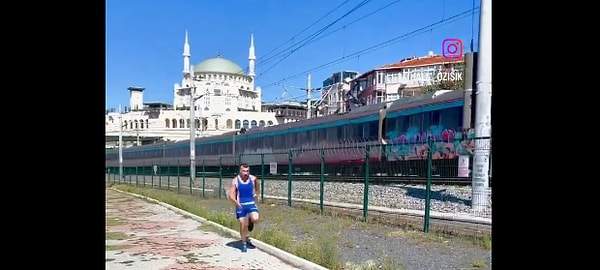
(339, 28)
(381, 45)
(311, 37)
(303, 30)
(275, 57)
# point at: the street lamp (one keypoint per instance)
(120, 144)
(192, 125)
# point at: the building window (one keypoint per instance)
(246, 124)
(238, 124)
(253, 124)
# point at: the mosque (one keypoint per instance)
(224, 98)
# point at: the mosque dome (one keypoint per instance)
(218, 65)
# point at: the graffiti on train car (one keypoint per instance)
(447, 143)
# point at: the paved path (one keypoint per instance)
(160, 239)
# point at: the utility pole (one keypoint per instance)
(470, 71)
(308, 104)
(120, 144)
(192, 89)
(483, 112)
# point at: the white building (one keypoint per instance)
(226, 100)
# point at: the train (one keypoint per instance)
(397, 134)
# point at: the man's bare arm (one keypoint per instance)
(231, 192)
(257, 188)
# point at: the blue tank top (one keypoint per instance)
(245, 190)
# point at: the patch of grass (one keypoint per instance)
(111, 221)
(484, 241)
(478, 263)
(116, 236)
(275, 237)
(420, 237)
(116, 247)
(321, 251)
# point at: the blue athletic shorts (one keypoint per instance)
(245, 210)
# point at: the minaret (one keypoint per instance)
(251, 58)
(186, 56)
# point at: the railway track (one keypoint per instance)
(383, 180)
(376, 180)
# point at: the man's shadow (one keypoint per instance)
(238, 244)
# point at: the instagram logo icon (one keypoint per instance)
(452, 48)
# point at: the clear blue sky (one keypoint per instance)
(144, 39)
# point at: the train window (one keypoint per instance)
(416, 121)
(268, 141)
(332, 134)
(427, 120)
(278, 142)
(435, 118)
(339, 132)
(290, 140)
(391, 126)
(451, 117)
(322, 135)
(301, 137)
(373, 129)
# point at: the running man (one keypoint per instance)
(243, 192)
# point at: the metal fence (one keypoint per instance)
(430, 178)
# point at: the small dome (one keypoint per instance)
(218, 65)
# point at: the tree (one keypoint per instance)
(447, 79)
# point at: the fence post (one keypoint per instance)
(203, 178)
(168, 177)
(290, 159)
(322, 180)
(262, 177)
(428, 188)
(366, 189)
(136, 176)
(179, 179)
(159, 171)
(152, 174)
(220, 175)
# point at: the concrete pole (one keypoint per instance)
(192, 128)
(120, 144)
(483, 112)
(192, 137)
(308, 104)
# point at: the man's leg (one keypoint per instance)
(244, 232)
(241, 216)
(253, 217)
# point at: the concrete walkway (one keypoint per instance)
(158, 238)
